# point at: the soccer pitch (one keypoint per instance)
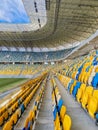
(9, 83)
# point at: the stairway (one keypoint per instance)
(45, 118)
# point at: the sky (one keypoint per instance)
(12, 11)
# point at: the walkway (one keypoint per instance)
(45, 117)
(80, 119)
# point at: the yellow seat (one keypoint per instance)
(26, 122)
(79, 95)
(92, 106)
(80, 92)
(80, 77)
(68, 83)
(14, 118)
(5, 115)
(83, 86)
(86, 78)
(93, 103)
(96, 69)
(1, 120)
(62, 112)
(67, 122)
(57, 123)
(10, 111)
(31, 116)
(2, 110)
(72, 86)
(86, 96)
(95, 94)
(7, 126)
(18, 112)
(83, 76)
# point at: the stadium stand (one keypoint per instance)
(15, 107)
(80, 79)
(61, 119)
(20, 69)
(10, 56)
(48, 65)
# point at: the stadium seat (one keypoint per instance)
(18, 112)
(69, 85)
(29, 126)
(57, 123)
(8, 126)
(95, 81)
(22, 108)
(72, 86)
(5, 115)
(96, 117)
(14, 118)
(1, 120)
(31, 116)
(92, 106)
(60, 103)
(62, 112)
(26, 123)
(67, 123)
(80, 92)
(75, 89)
(86, 96)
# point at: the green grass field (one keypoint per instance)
(9, 83)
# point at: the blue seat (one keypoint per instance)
(77, 86)
(29, 125)
(19, 101)
(22, 108)
(95, 81)
(96, 116)
(79, 71)
(55, 112)
(95, 63)
(69, 85)
(24, 129)
(77, 76)
(60, 103)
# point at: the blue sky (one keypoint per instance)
(12, 11)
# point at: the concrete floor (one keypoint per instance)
(45, 118)
(80, 119)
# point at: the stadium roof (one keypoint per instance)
(68, 22)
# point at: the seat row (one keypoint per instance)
(29, 122)
(84, 69)
(20, 105)
(7, 110)
(62, 121)
(87, 96)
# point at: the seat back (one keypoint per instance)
(67, 122)
(95, 94)
(79, 95)
(92, 106)
(7, 126)
(62, 112)
(83, 86)
(57, 123)
(72, 86)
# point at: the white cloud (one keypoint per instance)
(13, 11)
